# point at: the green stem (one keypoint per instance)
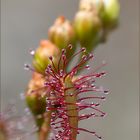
(45, 128)
(71, 108)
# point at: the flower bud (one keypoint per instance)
(110, 13)
(42, 54)
(94, 5)
(36, 97)
(62, 33)
(87, 26)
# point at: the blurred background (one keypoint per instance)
(25, 22)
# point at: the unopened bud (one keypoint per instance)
(87, 26)
(91, 5)
(62, 33)
(36, 97)
(42, 54)
(110, 13)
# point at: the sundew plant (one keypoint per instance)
(58, 93)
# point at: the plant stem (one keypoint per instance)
(72, 111)
(45, 128)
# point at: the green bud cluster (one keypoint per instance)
(94, 20)
(91, 25)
